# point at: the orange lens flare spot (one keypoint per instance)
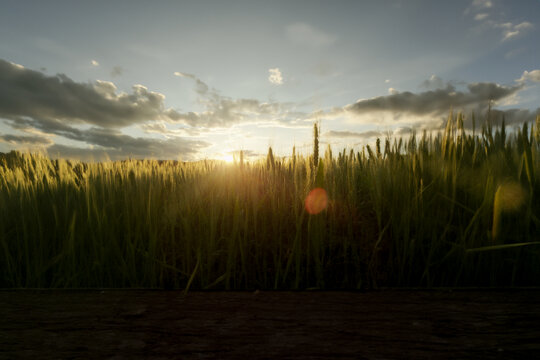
(316, 201)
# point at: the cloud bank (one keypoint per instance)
(57, 105)
(54, 111)
(95, 113)
(428, 109)
(29, 93)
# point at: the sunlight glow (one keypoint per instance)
(228, 158)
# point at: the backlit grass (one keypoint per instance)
(448, 209)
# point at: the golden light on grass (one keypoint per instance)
(316, 201)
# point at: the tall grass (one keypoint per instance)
(446, 209)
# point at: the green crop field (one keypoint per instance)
(454, 208)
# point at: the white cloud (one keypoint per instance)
(511, 30)
(275, 76)
(201, 88)
(306, 34)
(387, 81)
(533, 75)
(392, 91)
(481, 16)
(481, 8)
(482, 4)
(479, 5)
(94, 63)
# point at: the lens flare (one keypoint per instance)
(316, 201)
(510, 197)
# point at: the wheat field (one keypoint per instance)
(450, 208)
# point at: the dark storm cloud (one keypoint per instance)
(436, 102)
(29, 93)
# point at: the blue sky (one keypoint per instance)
(205, 79)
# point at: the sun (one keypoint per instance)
(228, 158)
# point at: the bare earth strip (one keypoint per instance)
(389, 324)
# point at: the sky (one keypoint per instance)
(190, 80)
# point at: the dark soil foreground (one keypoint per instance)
(389, 324)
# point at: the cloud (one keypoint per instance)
(437, 101)
(114, 142)
(515, 116)
(511, 31)
(479, 5)
(481, 16)
(387, 81)
(352, 134)
(482, 4)
(201, 88)
(117, 71)
(275, 76)
(403, 131)
(222, 111)
(94, 63)
(94, 114)
(29, 93)
(17, 66)
(162, 129)
(305, 34)
(533, 75)
(33, 102)
(25, 140)
(433, 83)
(392, 91)
(161, 150)
(429, 109)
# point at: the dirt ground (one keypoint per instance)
(387, 324)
